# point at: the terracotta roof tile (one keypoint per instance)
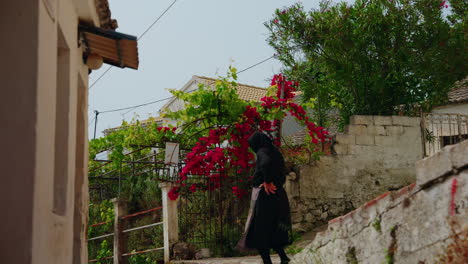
(144, 123)
(459, 92)
(104, 14)
(245, 92)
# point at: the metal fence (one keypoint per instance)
(108, 178)
(211, 219)
(126, 238)
(442, 129)
(214, 219)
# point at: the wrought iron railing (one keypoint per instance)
(107, 178)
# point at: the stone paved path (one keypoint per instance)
(239, 260)
(306, 239)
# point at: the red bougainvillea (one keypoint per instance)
(173, 194)
(225, 150)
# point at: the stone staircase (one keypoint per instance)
(238, 260)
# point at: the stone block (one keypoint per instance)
(341, 149)
(394, 130)
(360, 149)
(345, 139)
(385, 140)
(296, 217)
(406, 121)
(377, 130)
(412, 132)
(362, 120)
(356, 129)
(459, 154)
(383, 120)
(309, 218)
(365, 140)
(433, 167)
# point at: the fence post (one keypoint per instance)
(170, 220)
(120, 209)
(460, 138)
(423, 133)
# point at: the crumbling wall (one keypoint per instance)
(374, 155)
(415, 225)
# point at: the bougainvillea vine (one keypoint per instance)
(225, 149)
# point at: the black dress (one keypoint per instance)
(269, 225)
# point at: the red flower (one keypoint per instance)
(173, 194)
(238, 192)
(193, 188)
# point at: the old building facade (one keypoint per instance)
(44, 125)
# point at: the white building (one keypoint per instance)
(447, 124)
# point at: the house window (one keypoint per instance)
(62, 123)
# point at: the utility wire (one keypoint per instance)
(135, 106)
(160, 100)
(256, 64)
(90, 122)
(99, 78)
(142, 34)
(157, 19)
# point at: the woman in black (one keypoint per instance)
(269, 222)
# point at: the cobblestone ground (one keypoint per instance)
(241, 260)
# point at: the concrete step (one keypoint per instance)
(239, 260)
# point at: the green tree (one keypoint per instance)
(374, 55)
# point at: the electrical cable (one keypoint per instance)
(160, 100)
(157, 19)
(142, 34)
(256, 64)
(167, 98)
(90, 122)
(135, 106)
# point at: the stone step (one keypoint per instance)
(238, 260)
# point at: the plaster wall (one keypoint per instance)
(41, 66)
(18, 134)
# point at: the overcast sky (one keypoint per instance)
(195, 37)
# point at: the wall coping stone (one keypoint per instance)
(361, 120)
(385, 120)
(450, 158)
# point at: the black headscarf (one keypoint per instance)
(259, 140)
(270, 165)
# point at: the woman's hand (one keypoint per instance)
(270, 188)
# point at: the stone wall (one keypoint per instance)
(413, 225)
(374, 155)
